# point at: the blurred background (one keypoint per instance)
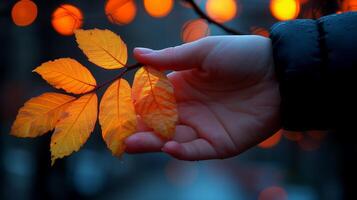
(290, 165)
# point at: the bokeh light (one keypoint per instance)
(24, 12)
(194, 30)
(221, 10)
(120, 11)
(158, 8)
(67, 18)
(271, 141)
(349, 5)
(273, 193)
(285, 9)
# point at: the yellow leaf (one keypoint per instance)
(154, 101)
(67, 74)
(117, 116)
(75, 126)
(40, 114)
(103, 48)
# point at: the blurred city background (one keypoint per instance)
(291, 165)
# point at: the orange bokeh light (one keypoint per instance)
(271, 141)
(24, 13)
(221, 10)
(194, 30)
(66, 19)
(285, 9)
(349, 5)
(120, 11)
(158, 8)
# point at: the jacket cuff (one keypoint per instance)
(299, 66)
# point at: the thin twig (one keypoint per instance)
(120, 75)
(203, 15)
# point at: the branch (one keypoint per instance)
(203, 15)
(121, 74)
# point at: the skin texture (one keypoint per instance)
(227, 94)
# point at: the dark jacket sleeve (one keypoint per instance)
(316, 64)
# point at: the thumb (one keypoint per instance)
(182, 57)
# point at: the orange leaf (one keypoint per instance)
(67, 74)
(40, 114)
(103, 48)
(117, 116)
(75, 126)
(154, 101)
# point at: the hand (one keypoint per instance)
(227, 94)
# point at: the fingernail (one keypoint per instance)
(141, 50)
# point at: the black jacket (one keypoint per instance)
(316, 64)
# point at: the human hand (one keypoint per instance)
(227, 94)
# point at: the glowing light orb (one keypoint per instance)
(24, 13)
(194, 30)
(349, 5)
(285, 9)
(158, 8)
(66, 19)
(221, 10)
(120, 11)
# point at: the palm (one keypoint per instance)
(227, 97)
(231, 117)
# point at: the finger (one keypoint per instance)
(186, 56)
(143, 142)
(149, 142)
(184, 134)
(198, 149)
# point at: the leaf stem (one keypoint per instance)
(121, 74)
(203, 15)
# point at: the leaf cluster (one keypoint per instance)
(73, 118)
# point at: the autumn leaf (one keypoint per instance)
(40, 114)
(103, 48)
(75, 126)
(74, 119)
(67, 74)
(117, 116)
(154, 101)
